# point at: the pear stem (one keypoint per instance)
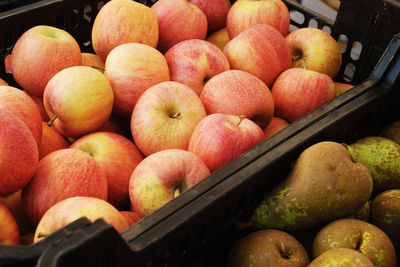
(241, 118)
(177, 192)
(50, 122)
(176, 115)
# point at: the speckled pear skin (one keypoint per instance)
(382, 157)
(324, 184)
(341, 257)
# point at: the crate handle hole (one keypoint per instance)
(297, 17)
(355, 52)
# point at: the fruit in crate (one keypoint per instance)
(38, 100)
(131, 217)
(162, 176)
(341, 88)
(3, 82)
(178, 20)
(392, 131)
(219, 38)
(358, 235)
(123, 21)
(314, 49)
(215, 11)
(244, 14)
(268, 248)
(237, 92)
(52, 140)
(93, 60)
(71, 209)
(193, 62)
(39, 54)
(220, 138)
(298, 91)
(260, 50)
(9, 233)
(19, 153)
(382, 158)
(341, 257)
(275, 126)
(165, 116)
(78, 100)
(324, 184)
(131, 69)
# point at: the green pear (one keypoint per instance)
(341, 257)
(392, 131)
(324, 184)
(382, 157)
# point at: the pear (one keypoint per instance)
(324, 184)
(341, 257)
(382, 157)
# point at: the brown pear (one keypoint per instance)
(341, 257)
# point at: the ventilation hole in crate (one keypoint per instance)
(297, 17)
(292, 28)
(349, 72)
(74, 19)
(100, 4)
(327, 29)
(356, 51)
(313, 23)
(87, 13)
(343, 40)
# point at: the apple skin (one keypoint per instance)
(131, 217)
(164, 117)
(9, 232)
(299, 91)
(123, 21)
(38, 100)
(3, 82)
(62, 174)
(79, 100)
(260, 50)
(340, 88)
(193, 62)
(131, 69)
(268, 248)
(220, 138)
(315, 49)
(178, 20)
(73, 208)
(275, 126)
(341, 257)
(215, 11)
(93, 60)
(219, 38)
(163, 175)
(244, 14)
(21, 105)
(117, 156)
(39, 54)
(52, 140)
(19, 153)
(237, 92)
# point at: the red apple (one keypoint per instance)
(19, 153)
(39, 54)
(21, 105)
(131, 217)
(9, 233)
(237, 92)
(78, 100)
(219, 38)
(275, 126)
(215, 11)
(38, 100)
(178, 20)
(93, 60)
(164, 117)
(220, 138)
(299, 91)
(52, 140)
(73, 208)
(131, 69)
(123, 21)
(3, 82)
(193, 62)
(162, 176)
(117, 156)
(244, 14)
(62, 174)
(340, 88)
(260, 50)
(314, 49)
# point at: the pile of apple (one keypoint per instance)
(172, 93)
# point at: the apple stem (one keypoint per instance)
(41, 235)
(98, 68)
(50, 122)
(303, 62)
(177, 192)
(176, 115)
(241, 118)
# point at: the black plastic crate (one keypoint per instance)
(196, 229)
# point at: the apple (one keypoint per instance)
(93, 60)
(220, 138)
(123, 21)
(341, 257)
(61, 174)
(38, 100)
(9, 233)
(73, 208)
(340, 88)
(219, 38)
(193, 62)
(39, 54)
(275, 126)
(26, 239)
(21, 105)
(117, 156)
(162, 176)
(260, 50)
(19, 153)
(178, 20)
(131, 69)
(164, 117)
(52, 140)
(244, 14)
(237, 92)
(215, 11)
(299, 91)
(314, 49)
(78, 100)
(268, 248)
(131, 217)
(3, 82)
